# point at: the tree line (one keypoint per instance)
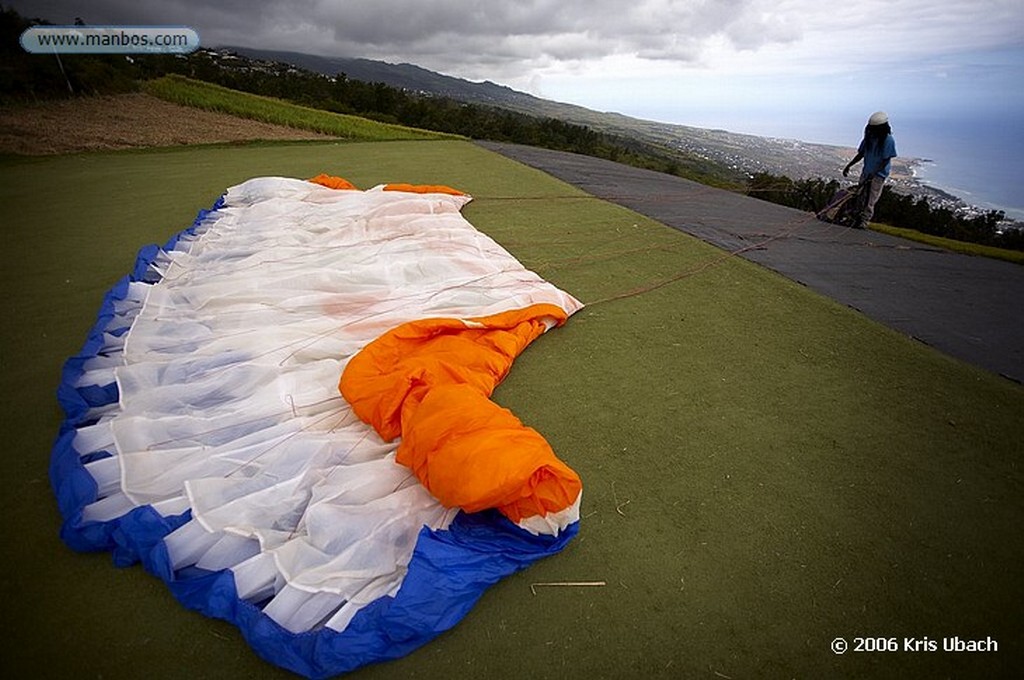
(893, 208)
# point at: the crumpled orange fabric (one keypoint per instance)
(430, 382)
(423, 189)
(333, 182)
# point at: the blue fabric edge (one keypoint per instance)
(448, 573)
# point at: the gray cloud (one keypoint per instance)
(519, 38)
(461, 37)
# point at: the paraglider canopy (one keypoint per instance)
(285, 414)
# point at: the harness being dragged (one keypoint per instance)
(845, 205)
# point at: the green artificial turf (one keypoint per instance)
(764, 470)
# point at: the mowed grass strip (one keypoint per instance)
(977, 249)
(764, 470)
(182, 90)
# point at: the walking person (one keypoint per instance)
(877, 150)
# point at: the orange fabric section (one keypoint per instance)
(390, 375)
(429, 381)
(332, 182)
(424, 189)
(472, 454)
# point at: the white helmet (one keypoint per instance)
(878, 118)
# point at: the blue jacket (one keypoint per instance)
(877, 160)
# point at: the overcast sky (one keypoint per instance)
(726, 63)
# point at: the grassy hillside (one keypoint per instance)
(764, 470)
(212, 97)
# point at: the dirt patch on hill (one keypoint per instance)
(125, 122)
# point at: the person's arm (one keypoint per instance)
(858, 157)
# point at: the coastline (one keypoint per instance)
(1013, 216)
(920, 184)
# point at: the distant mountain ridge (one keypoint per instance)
(409, 77)
(742, 152)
